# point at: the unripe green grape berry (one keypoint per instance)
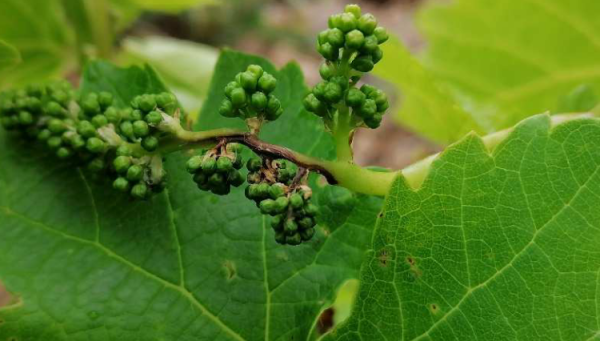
(335, 37)
(355, 39)
(251, 192)
(281, 204)
(290, 227)
(95, 145)
(333, 92)
(105, 99)
(267, 83)
(326, 71)
(276, 190)
(216, 179)
(347, 22)
(381, 34)
(296, 201)
(122, 164)
(226, 109)
(121, 184)
(235, 178)
(96, 165)
(209, 166)
(25, 118)
(224, 164)
(238, 97)
(63, 153)
(273, 105)
(194, 164)
(99, 121)
(56, 126)
(54, 109)
(44, 134)
(259, 101)
(311, 209)
(367, 23)
(248, 81)
(90, 105)
(374, 121)
(54, 142)
(306, 223)
(307, 234)
(370, 45)
(377, 55)
(363, 63)
(113, 115)
(341, 81)
(328, 51)
(147, 103)
(123, 150)
(140, 129)
(256, 70)
(200, 178)
(355, 98)
(126, 129)
(153, 118)
(150, 143)
(354, 10)
(267, 206)
(137, 115)
(135, 173)
(254, 164)
(165, 99)
(263, 190)
(139, 191)
(229, 88)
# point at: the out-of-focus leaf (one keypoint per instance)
(185, 67)
(9, 56)
(170, 5)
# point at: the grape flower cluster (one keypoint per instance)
(217, 169)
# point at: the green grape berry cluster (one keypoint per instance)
(91, 130)
(350, 47)
(250, 95)
(218, 169)
(272, 186)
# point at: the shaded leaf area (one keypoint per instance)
(499, 245)
(89, 263)
(499, 62)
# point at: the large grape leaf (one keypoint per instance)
(500, 60)
(87, 263)
(500, 242)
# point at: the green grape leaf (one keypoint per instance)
(172, 6)
(9, 56)
(186, 67)
(500, 61)
(500, 242)
(38, 30)
(86, 262)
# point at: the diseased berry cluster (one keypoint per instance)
(92, 131)
(278, 192)
(354, 39)
(218, 169)
(250, 96)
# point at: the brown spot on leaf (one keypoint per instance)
(230, 270)
(380, 215)
(410, 261)
(434, 308)
(384, 258)
(325, 322)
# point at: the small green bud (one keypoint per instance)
(307, 234)
(367, 23)
(165, 99)
(296, 201)
(124, 150)
(322, 37)
(370, 45)
(333, 21)
(61, 97)
(54, 109)
(368, 109)
(126, 129)
(105, 99)
(122, 164)
(267, 83)
(326, 71)
(224, 164)
(126, 114)
(374, 121)
(209, 166)
(34, 104)
(226, 109)
(238, 163)
(312, 104)
(140, 129)
(150, 143)
(377, 55)
(335, 37)
(121, 184)
(267, 206)
(229, 88)
(90, 105)
(222, 189)
(137, 115)
(256, 70)
(280, 238)
(135, 102)
(319, 90)
(290, 227)
(96, 165)
(25, 118)
(355, 39)
(153, 118)
(112, 115)
(306, 223)
(363, 63)
(238, 97)
(99, 121)
(367, 89)
(56, 126)
(341, 80)
(35, 90)
(54, 142)
(354, 10)
(273, 105)
(135, 173)
(259, 101)
(333, 92)
(254, 164)
(347, 22)
(139, 191)
(235, 179)
(312, 210)
(248, 81)
(328, 52)
(276, 190)
(252, 192)
(355, 98)
(63, 153)
(216, 180)
(277, 222)
(281, 204)
(147, 103)
(44, 135)
(95, 145)
(263, 190)
(381, 34)
(194, 164)
(200, 178)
